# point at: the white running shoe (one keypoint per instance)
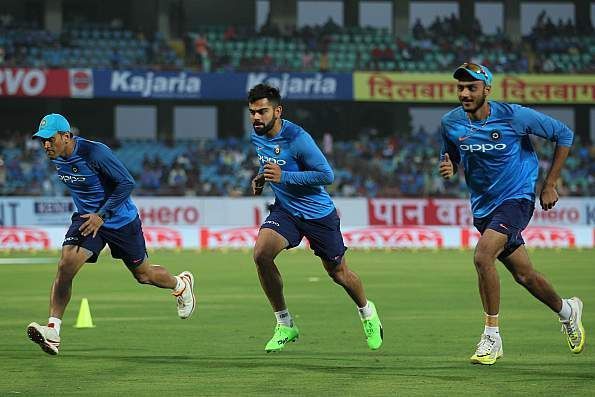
(185, 297)
(573, 328)
(489, 349)
(46, 337)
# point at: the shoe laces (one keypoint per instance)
(485, 345)
(570, 328)
(368, 328)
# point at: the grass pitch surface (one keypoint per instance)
(428, 303)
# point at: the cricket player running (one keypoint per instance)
(297, 170)
(491, 141)
(100, 187)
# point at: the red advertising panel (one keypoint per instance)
(162, 237)
(394, 237)
(535, 237)
(23, 238)
(230, 238)
(413, 212)
(26, 82)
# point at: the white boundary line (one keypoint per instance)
(26, 261)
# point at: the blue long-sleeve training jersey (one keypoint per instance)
(499, 160)
(304, 171)
(98, 182)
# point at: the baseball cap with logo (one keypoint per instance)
(475, 70)
(50, 125)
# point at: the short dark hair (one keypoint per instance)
(261, 91)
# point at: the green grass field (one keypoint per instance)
(428, 303)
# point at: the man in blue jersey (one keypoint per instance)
(491, 141)
(297, 171)
(100, 187)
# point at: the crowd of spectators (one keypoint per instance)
(394, 166)
(550, 47)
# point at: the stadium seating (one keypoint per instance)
(438, 47)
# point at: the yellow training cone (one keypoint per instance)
(84, 319)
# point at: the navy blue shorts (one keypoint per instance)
(510, 218)
(126, 243)
(324, 234)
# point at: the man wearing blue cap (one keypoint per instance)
(100, 187)
(491, 140)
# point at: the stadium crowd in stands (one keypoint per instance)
(550, 48)
(394, 166)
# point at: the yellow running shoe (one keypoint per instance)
(489, 349)
(573, 328)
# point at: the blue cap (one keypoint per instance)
(51, 124)
(476, 71)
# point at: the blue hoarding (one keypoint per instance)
(145, 84)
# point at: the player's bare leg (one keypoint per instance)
(155, 275)
(346, 278)
(350, 281)
(519, 265)
(267, 247)
(71, 261)
(489, 246)
(182, 285)
(568, 310)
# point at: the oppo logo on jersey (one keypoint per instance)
(484, 147)
(265, 159)
(71, 178)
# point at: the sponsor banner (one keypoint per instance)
(22, 238)
(249, 211)
(49, 237)
(26, 82)
(441, 88)
(376, 237)
(327, 86)
(81, 83)
(373, 237)
(409, 212)
(168, 237)
(147, 84)
(219, 86)
(543, 237)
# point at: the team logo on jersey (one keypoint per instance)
(57, 168)
(495, 135)
(277, 150)
(74, 169)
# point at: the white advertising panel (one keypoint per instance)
(250, 211)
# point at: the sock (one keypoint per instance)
(284, 318)
(492, 331)
(366, 311)
(179, 284)
(565, 312)
(55, 323)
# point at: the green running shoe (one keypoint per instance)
(283, 335)
(373, 329)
